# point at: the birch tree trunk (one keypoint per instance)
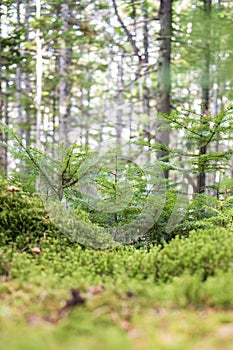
(164, 76)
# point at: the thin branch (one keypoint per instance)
(143, 21)
(139, 74)
(129, 35)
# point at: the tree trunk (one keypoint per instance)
(39, 70)
(164, 77)
(27, 77)
(6, 117)
(147, 82)
(205, 98)
(120, 102)
(18, 80)
(64, 83)
(2, 139)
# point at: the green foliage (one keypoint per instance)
(120, 196)
(201, 131)
(121, 188)
(158, 233)
(207, 212)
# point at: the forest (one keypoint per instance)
(116, 174)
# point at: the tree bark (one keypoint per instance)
(64, 83)
(27, 77)
(120, 99)
(205, 86)
(18, 80)
(39, 71)
(147, 82)
(164, 76)
(6, 118)
(3, 164)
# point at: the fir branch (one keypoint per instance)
(217, 125)
(179, 123)
(33, 160)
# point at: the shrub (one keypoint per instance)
(207, 212)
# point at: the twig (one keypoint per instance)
(127, 32)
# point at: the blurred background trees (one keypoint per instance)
(154, 72)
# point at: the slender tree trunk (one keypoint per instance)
(164, 76)
(106, 102)
(64, 83)
(146, 83)
(88, 101)
(18, 80)
(6, 117)
(217, 107)
(39, 72)
(217, 175)
(205, 97)
(87, 116)
(2, 139)
(54, 112)
(27, 77)
(119, 100)
(55, 105)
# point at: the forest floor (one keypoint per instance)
(40, 310)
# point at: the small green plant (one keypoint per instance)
(207, 212)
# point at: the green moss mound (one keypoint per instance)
(22, 215)
(203, 252)
(23, 219)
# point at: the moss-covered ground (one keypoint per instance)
(110, 308)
